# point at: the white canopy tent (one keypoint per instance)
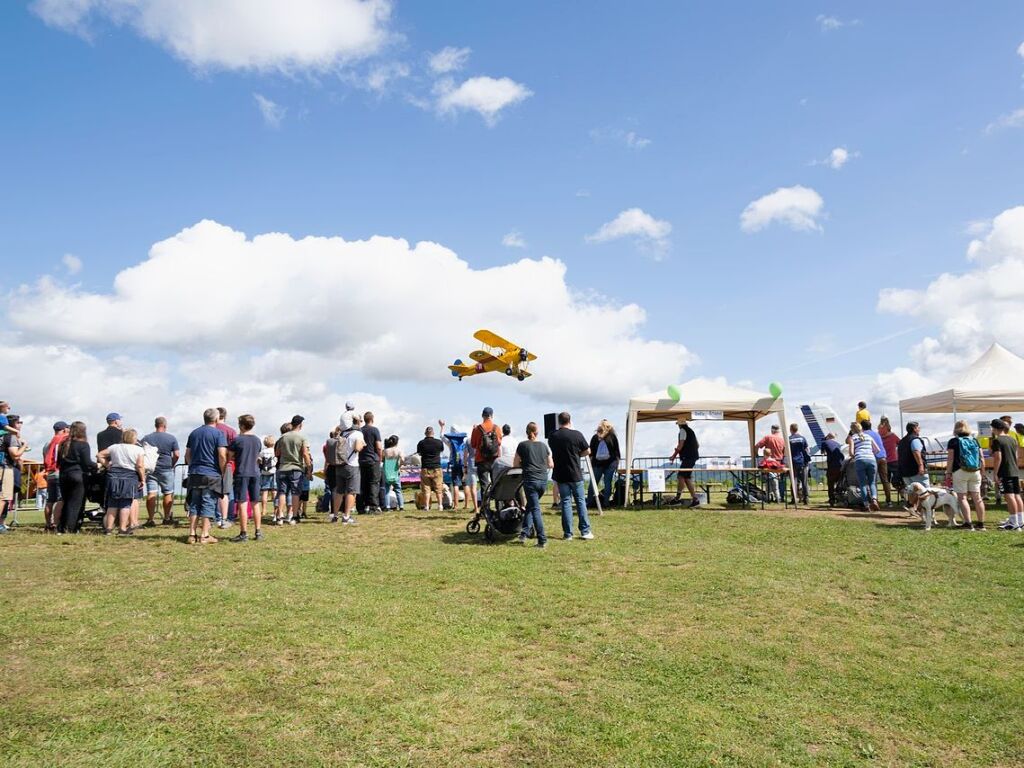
(734, 403)
(994, 382)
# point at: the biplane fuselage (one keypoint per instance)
(497, 354)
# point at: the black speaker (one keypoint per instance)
(550, 424)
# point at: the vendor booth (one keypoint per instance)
(994, 383)
(707, 399)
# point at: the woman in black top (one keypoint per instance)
(75, 464)
(604, 455)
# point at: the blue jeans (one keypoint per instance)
(203, 502)
(534, 521)
(866, 469)
(385, 487)
(605, 476)
(567, 493)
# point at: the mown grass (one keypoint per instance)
(675, 638)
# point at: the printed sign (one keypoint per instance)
(656, 480)
(708, 415)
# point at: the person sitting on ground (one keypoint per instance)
(126, 478)
(244, 452)
(75, 466)
(206, 453)
(1006, 474)
(431, 476)
(964, 467)
(688, 451)
(864, 452)
(534, 457)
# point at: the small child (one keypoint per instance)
(6, 428)
(307, 478)
(268, 468)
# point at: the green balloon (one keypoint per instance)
(673, 393)
(774, 389)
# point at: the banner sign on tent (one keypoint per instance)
(656, 480)
(708, 415)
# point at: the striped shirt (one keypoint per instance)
(863, 447)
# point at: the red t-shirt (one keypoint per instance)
(229, 435)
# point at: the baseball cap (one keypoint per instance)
(113, 416)
(296, 420)
(349, 405)
(998, 424)
(59, 425)
(487, 412)
(13, 418)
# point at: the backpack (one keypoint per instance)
(150, 455)
(490, 445)
(970, 455)
(265, 463)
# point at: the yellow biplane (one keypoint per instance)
(498, 354)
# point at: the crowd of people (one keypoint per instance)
(234, 476)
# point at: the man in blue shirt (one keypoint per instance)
(160, 481)
(834, 467)
(206, 454)
(801, 453)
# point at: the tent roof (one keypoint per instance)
(736, 403)
(993, 382)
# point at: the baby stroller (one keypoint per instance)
(501, 508)
(95, 493)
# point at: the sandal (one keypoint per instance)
(208, 540)
(193, 538)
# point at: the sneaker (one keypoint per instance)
(292, 521)
(693, 503)
(567, 537)
(3, 528)
(278, 521)
(542, 545)
(979, 526)
(220, 524)
(1007, 525)
(259, 536)
(521, 540)
(240, 538)
(128, 532)
(587, 536)
(349, 520)
(333, 519)
(150, 524)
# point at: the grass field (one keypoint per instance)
(674, 638)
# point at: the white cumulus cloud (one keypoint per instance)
(513, 239)
(832, 23)
(448, 59)
(837, 158)
(325, 307)
(797, 207)
(486, 96)
(639, 225)
(71, 263)
(283, 35)
(1014, 119)
(1020, 50)
(272, 112)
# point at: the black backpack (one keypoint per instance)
(490, 447)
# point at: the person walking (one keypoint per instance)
(567, 447)
(688, 451)
(604, 457)
(160, 482)
(370, 465)
(486, 442)
(126, 478)
(206, 453)
(864, 452)
(964, 465)
(1006, 474)
(534, 458)
(75, 466)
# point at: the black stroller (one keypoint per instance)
(502, 508)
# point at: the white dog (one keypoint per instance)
(925, 502)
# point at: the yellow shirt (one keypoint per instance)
(1020, 438)
(862, 415)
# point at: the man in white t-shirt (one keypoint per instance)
(350, 443)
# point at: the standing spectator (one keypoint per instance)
(268, 470)
(206, 453)
(534, 457)
(486, 442)
(126, 478)
(688, 451)
(456, 440)
(160, 482)
(112, 435)
(470, 476)
(508, 445)
(76, 464)
(891, 444)
(604, 457)
(882, 463)
(964, 468)
(279, 518)
(11, 450)
(431, 476)
(51, 465)
(293, 459)
(567, 447)
(801, 453)
(369, 465)
(862, 412)
(228, 478)
(351, 445)
(864, 452)
(392, 474)
(244, 452)
(910, 457)
(833, 467)
(331, 466)
(775, 446)
(1006, 473)
(39, 487)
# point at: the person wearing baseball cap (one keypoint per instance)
(54, 504)
(486, 444)
(112, 435)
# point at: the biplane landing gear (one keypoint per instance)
(508, 371)
(521, 377)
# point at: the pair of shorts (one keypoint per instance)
(347, 480)
(432, 480)
(289, 481)
(53, 488)
(966, 482)
(203, 495)
(331, 476)
(160, 481)
(458, 474)
(247, 489)
(6, 483)
(687, 463)
(267, 483)
(1009, 485)
(227, 481)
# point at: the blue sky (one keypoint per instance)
(689, 112)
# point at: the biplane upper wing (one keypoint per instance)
(491, 339)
